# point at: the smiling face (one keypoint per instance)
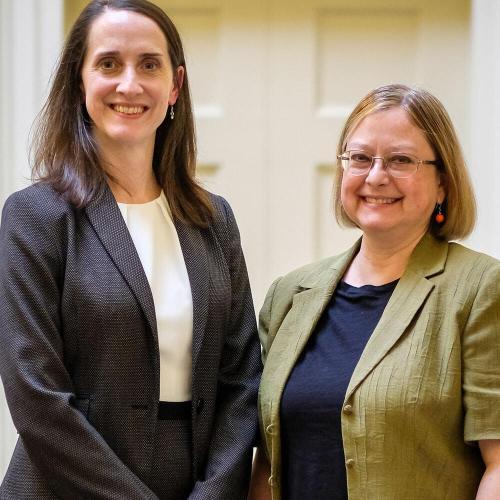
(127, 79)
(382, 206)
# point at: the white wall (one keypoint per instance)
(484, 157)
(30, 40)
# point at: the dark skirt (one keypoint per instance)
(171, 474)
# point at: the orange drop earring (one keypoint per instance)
(439, 217)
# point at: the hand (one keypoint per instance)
(261, 470)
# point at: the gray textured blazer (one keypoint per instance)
(79, 353)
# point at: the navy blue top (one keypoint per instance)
(312, 452)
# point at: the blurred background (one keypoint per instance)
(272, 82)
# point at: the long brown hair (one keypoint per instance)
(428, 114)
(64, 151)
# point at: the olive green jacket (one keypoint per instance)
(427, 385)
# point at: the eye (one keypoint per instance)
(150, 65)
(360, 157)
(400, 159)
(107, 64)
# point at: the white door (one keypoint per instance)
(273, 82)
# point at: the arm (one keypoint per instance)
(489, 489)
(73, 458)
(481, 377)
(259, 485)
(235, 428)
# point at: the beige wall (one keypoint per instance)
(72, 9)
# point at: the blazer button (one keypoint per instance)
(269, 429)
(349, 463)
(348, 409)
(200, 403)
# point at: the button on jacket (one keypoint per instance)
(79, 353)
(427, 386)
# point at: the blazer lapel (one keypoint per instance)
(195, 256)
(107, 221)
(105, 217)
(315, 292)
(413, 288)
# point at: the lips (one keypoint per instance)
(380, 201)
(128, 110)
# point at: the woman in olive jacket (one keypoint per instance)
(382, 365)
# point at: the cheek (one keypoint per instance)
(94, 95)
(421, 202)
(348, 189)
(349, 200)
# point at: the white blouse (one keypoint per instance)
(156, 241)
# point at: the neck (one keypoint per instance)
(130, 173)
(379, 262)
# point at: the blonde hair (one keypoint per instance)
(428, 114)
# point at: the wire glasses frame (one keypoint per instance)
(399, 165)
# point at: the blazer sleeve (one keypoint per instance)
(481, 359)
(234, 433)
(69, 453)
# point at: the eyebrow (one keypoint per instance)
(114, 53)
(394, 148)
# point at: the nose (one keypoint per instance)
(378, 174)
(129, 83)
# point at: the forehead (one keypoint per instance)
(117, 30)
(391, 127)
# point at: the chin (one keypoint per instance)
(376, 222)
(127, 138)
(377, 227)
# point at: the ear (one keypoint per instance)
(178, 83)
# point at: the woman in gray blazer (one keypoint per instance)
(128, 347)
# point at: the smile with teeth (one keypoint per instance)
(380, 201)
(128, 110)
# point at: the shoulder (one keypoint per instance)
(223, 224)
(470, 280)
(318, 273)
(36, 215)
(458, 253)
(313, 273)
(223, 212)
(280, 296)
(38, 201)
(472, 266)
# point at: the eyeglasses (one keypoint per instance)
(399, 165)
